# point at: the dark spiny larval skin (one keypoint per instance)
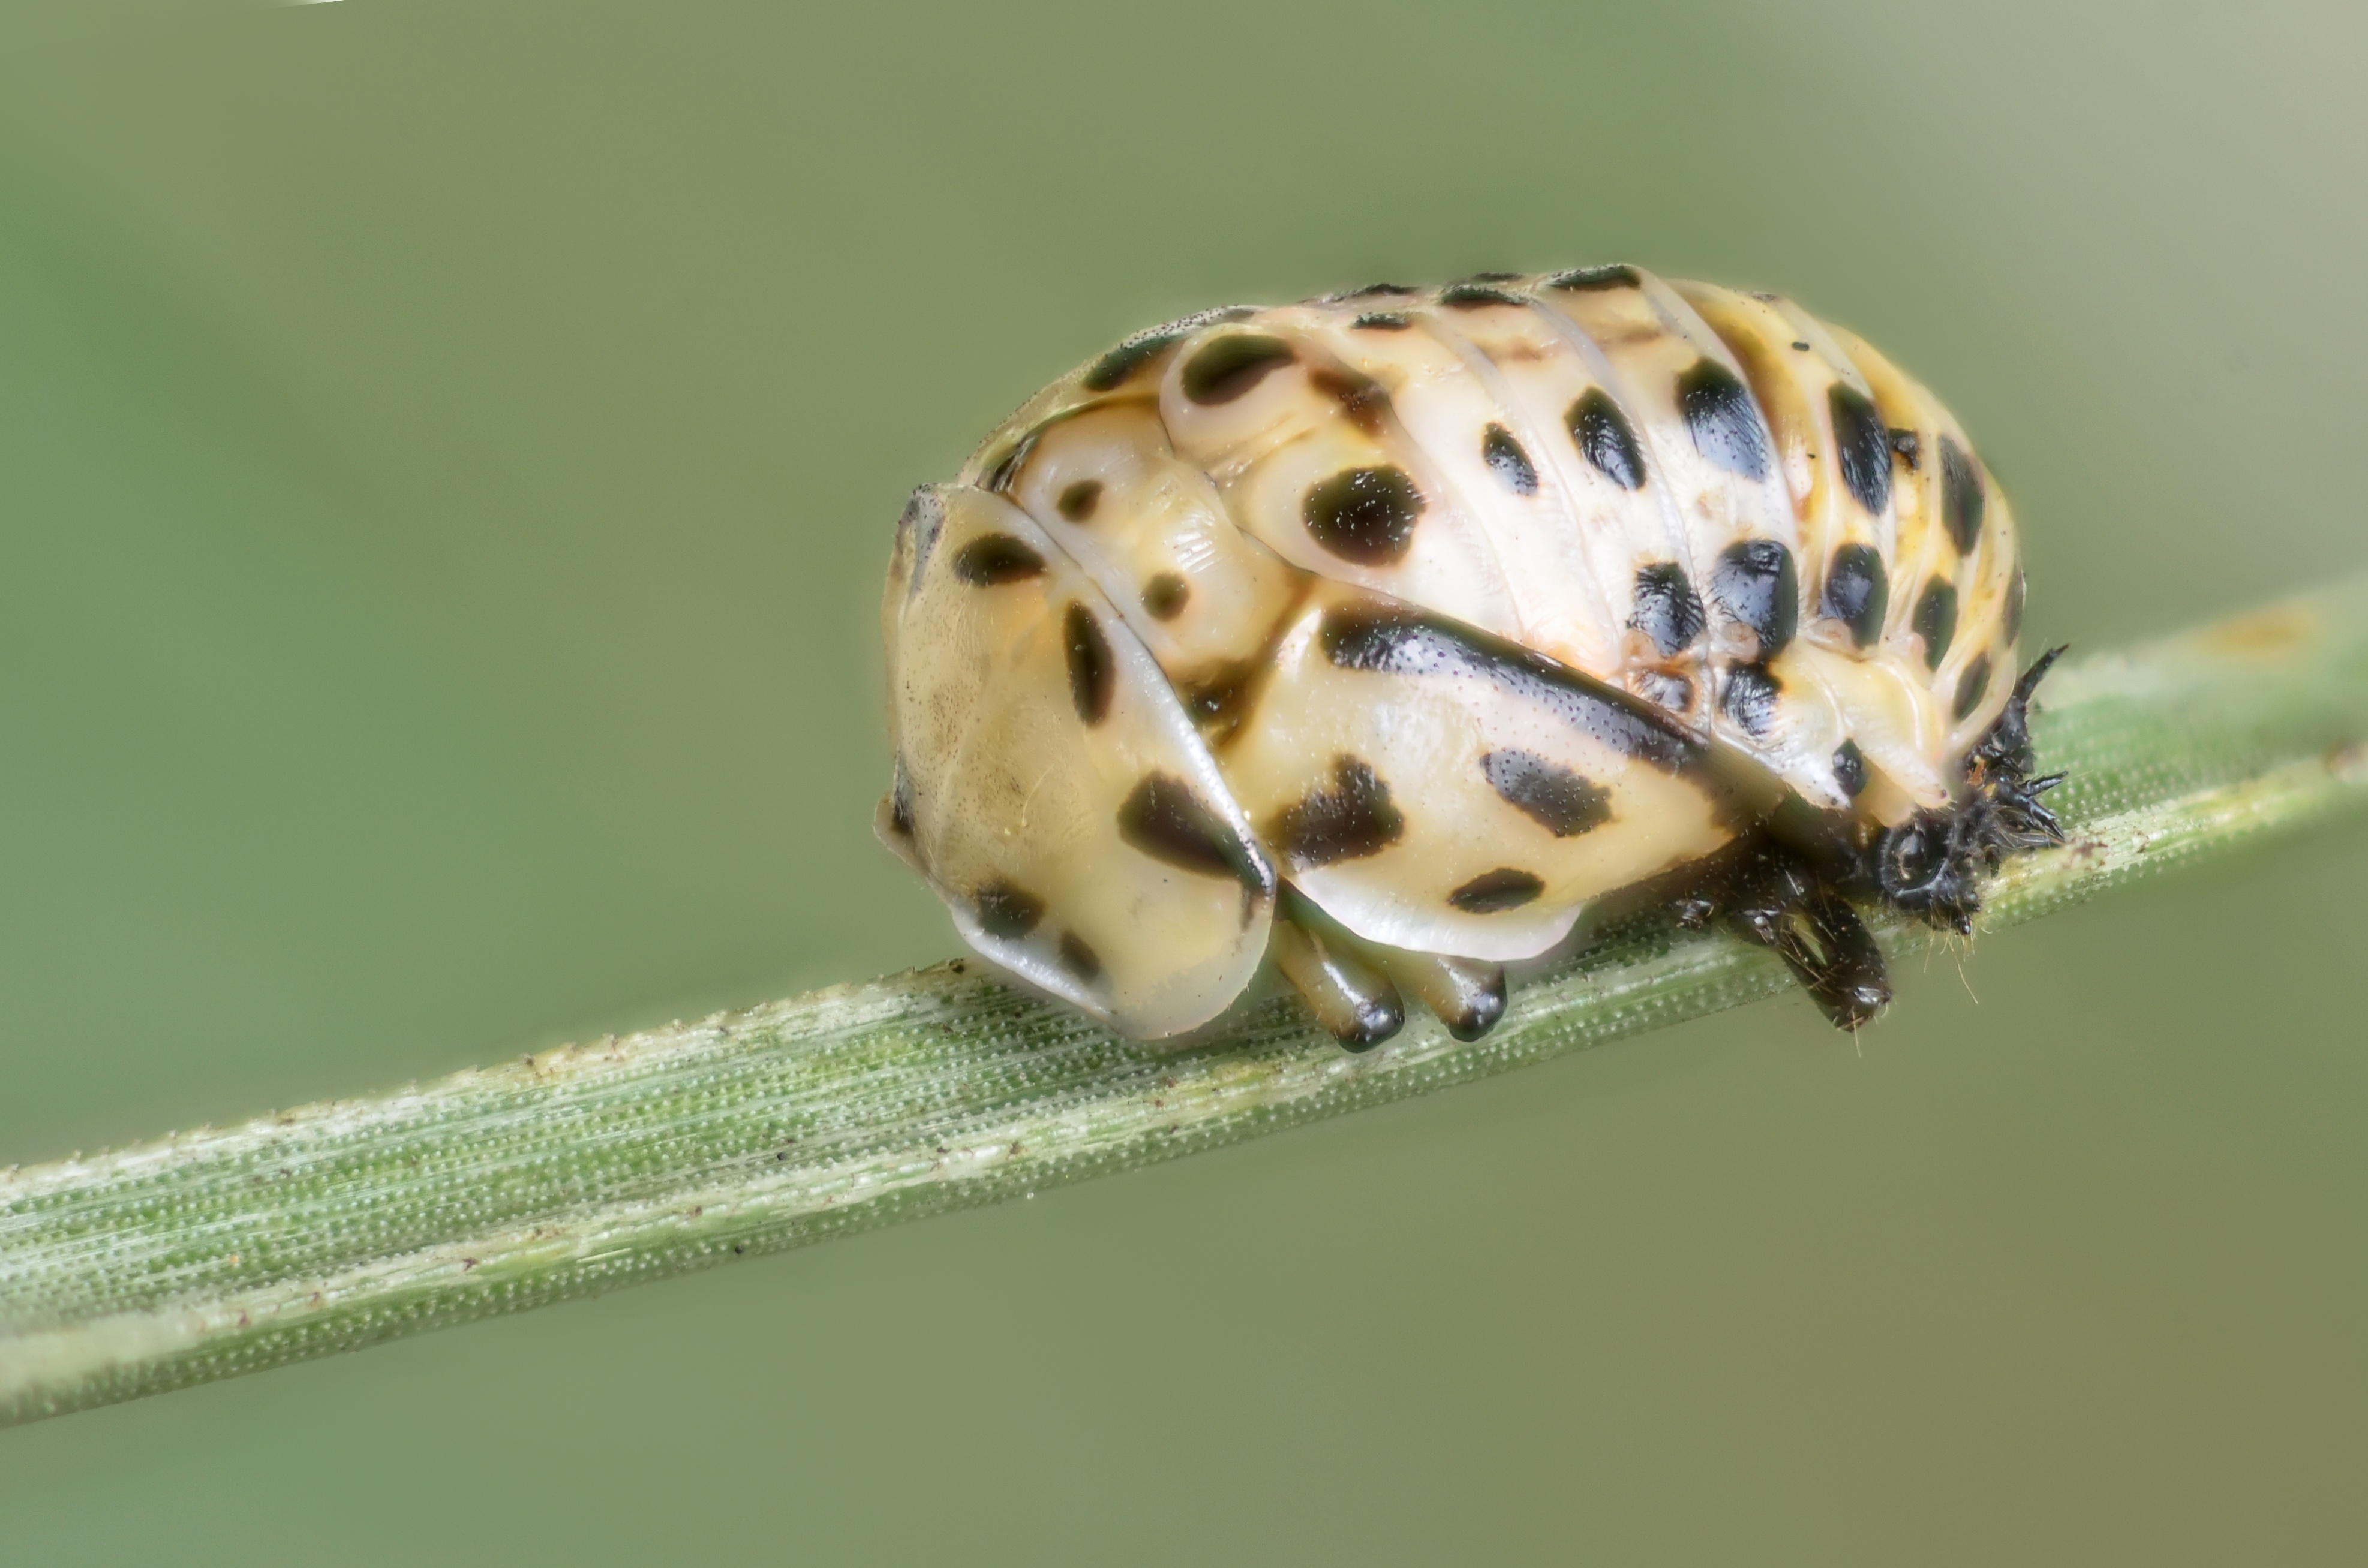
(1782, 885)
(1442, 613)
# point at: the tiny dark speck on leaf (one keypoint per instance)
(739, 1247)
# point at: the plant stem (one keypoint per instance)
(334, 1226)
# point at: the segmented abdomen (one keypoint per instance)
(1712, 499)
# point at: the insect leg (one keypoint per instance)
(1350, 996)
(1468, 994)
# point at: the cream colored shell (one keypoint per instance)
(1456, 608)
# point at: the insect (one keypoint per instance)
(1384, 632)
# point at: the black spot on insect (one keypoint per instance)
(1972, 686)
(2014, 592)
(1962, 500)
(1849, 769)
(1409, 642)
(1799, 346)
(1909, 444)
(1078, 502)
(1750, 699)
(1383, 321)
(991, 560)
(1131, 355)
(1857, 592)
(1084, 964)
(1007, 910)
(1606, 439)
(1492, 893)
(1093, 673)
(1668, 609)
(1663, 689)
(1935, 619)
(1365, 514)
(1724, 420)
(1361, 399)
(1863, 446)
(1163, 818)
(1591, 278)
(1227, 367)
(1563, 802)
(1352, 819)
(1476, 296)
(900, 799)
(1370, 290)
(1165, 595)
(1505, 460)
(1753, 583)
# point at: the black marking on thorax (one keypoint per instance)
(1351, 820)
(1563, 802)
(1079, 500)
(1409, 642)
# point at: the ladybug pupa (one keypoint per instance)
(1384, 633)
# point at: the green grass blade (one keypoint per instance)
(327, 1228)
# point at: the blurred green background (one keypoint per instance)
(446, 453)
